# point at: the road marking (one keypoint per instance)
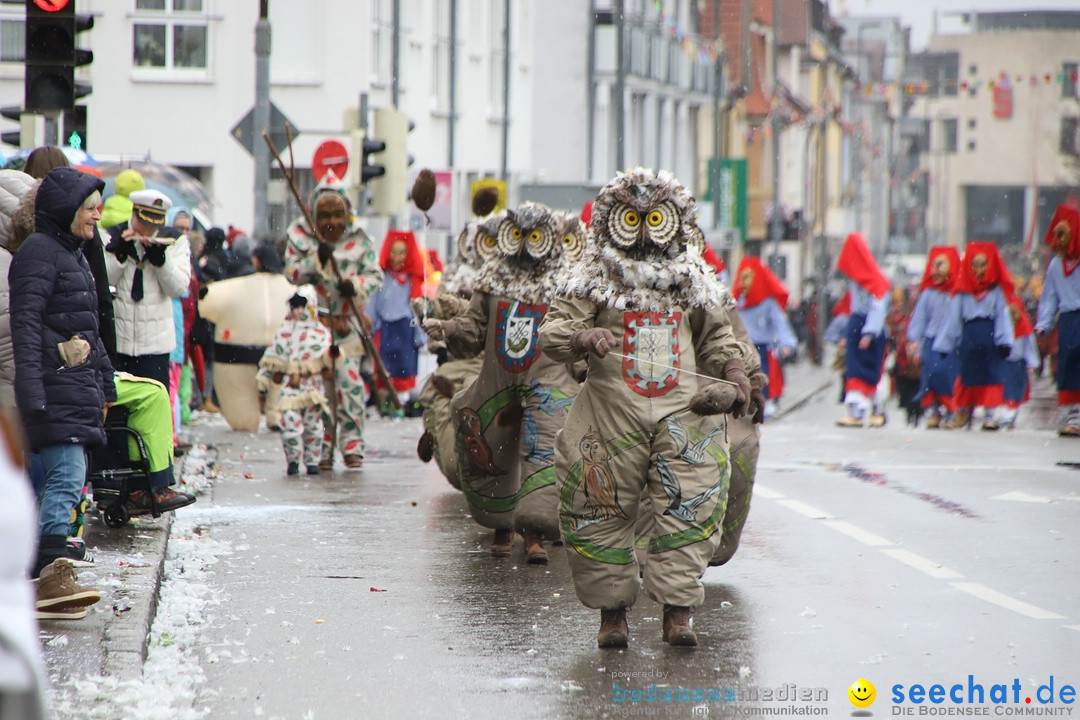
(1071, 627)
(931, 568)
(1018, 496)
(864, 536)
(765, 492)
(1009, 603)
(806, 510)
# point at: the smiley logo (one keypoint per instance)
(862, 693)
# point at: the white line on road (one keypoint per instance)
(918, 562)
(1018, 496)
(765, 492)
(803, 509)
(993, 596)
(1071, 627)
(864, 536)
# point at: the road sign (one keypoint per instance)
(330, 156)
(51, 5)
(244, 131)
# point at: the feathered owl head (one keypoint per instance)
(527, 237)
(644, 215)
(570, 233)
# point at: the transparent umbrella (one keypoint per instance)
(181, 188)
(78, 158)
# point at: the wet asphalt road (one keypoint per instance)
(903, 557)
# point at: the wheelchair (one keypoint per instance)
(114, 475)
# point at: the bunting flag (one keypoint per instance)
(1003, 79)
(696, 48)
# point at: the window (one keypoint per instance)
(12, 40)
(496, 57)
(971, 123)
(1069, 128)
(949, 135)
(440, 67)
(382, 29)
(1068, 84)
(171, 35)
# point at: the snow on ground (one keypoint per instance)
(172, 673)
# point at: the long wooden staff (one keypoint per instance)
(365, 337)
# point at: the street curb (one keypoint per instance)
(806, 398)
(125, 643)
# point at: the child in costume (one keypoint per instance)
(1060, 305)
(761, 299)
(397, 333)
(294, 362)
(865, 338)
(937, 379)
(506, 419)
(977, 324)
(649, 316)
(1018, 366)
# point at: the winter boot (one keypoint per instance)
(961, 419)
(57, 591)
(313, 470)
(50, 547)
(293, 468)
(677, 630)
(504, 539)
(535, 552)
(614, 632)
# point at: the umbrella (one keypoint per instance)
(181, 188)
(78, 158)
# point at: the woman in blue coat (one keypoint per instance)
(63, 378)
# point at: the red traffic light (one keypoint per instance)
(51, 5)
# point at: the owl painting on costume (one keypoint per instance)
(475, 243)
(646, 311)
(520, 396)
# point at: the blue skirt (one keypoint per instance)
(397, 346)
(1068, 368)
(938, 374)
(1016, 382)
(863, 366)
(980, 363)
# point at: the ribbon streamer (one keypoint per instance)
(669, 367)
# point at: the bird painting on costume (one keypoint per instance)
(477, 449)
(601, 494)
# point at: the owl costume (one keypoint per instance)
(506, 419)
(645, 310)
(451, 300)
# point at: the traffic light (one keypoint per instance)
(363, 148)
(390, 192)
(12, 137)
(74, 128)
(51, 55)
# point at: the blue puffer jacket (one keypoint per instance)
(53, 298)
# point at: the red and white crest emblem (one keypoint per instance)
(651, 345)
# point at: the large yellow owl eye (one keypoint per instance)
(534, 236)
(516, 233)
(568, 240)
(489, 241)
(654, 218)
(631, 218)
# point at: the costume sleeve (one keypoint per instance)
(837, 329)
(1029, 350)
(212, 305)
(465, 334)
(785, 334)
(916, 329)
(716, 344)
(373, 310)
(1048, 301)
(875, 317)
(358, 265)
(31, 281)
(564, 318)
(175, 275)
(301, 260)
(949, 334)
(1003, 325)
(739, 328)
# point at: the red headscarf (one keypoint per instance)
(414, 261)
(997, 272)
(764, 285)
(1022, 326)
(953, 256)
(843, 305)
(1068, 215)
(858, 264)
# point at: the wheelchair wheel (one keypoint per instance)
(116, 516)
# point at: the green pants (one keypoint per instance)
(150, 415)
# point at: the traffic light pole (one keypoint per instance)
(261, 121)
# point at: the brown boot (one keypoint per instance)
(58, 592)
(504, 539)
(535, 552)
(614, 632)
(961, 420)
(677, 630)
(425, 447)
(354, 462)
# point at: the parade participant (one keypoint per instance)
(1023, 359)
(865, 339)
(937, 379)
(506, 419)
(978, 326)
(650, 316)
(397, 333)
(761, 299)
(295, 362)
(1060, 305)
(245, 312)
(344, 271)
(118, 206)
(63, 378)
(149, 265)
